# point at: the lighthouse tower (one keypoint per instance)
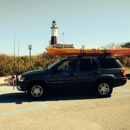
(54, 37)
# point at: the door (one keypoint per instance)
(62, 77)
(87, 73)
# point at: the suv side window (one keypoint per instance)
(109, 63)
(87, 64)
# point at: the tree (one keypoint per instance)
(126, 45)
(112, 45)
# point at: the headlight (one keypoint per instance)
(22, 78)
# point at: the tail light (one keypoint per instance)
(123, 72)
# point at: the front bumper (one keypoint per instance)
(18, 88)
(22, 86)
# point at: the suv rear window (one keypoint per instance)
(109, 63)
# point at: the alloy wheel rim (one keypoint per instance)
(103, 89)
(36, 91)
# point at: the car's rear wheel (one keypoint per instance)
(104, 88)
(36, 90)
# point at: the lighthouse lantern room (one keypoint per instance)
(54, 37)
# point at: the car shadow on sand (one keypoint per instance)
(22, 97)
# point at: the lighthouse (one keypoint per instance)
(54, 37)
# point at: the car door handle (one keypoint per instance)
(97, 72)
(73, 74)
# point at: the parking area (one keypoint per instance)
(65, 111)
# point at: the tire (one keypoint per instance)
(36, 90)
(104, 88)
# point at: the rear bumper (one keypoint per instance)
(119, 82)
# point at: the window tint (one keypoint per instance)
(108, 63)
(87, 64)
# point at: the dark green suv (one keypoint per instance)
(100, 74)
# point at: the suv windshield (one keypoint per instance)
(53, 65)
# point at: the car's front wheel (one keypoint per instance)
(36, 90)
(104, 88)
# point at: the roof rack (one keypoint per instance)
(106, 54)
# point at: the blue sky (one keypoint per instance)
(93, 23)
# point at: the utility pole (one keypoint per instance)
(14, 52)
(30, 48)
(18, 56)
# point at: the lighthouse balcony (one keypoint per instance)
(62, 46)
